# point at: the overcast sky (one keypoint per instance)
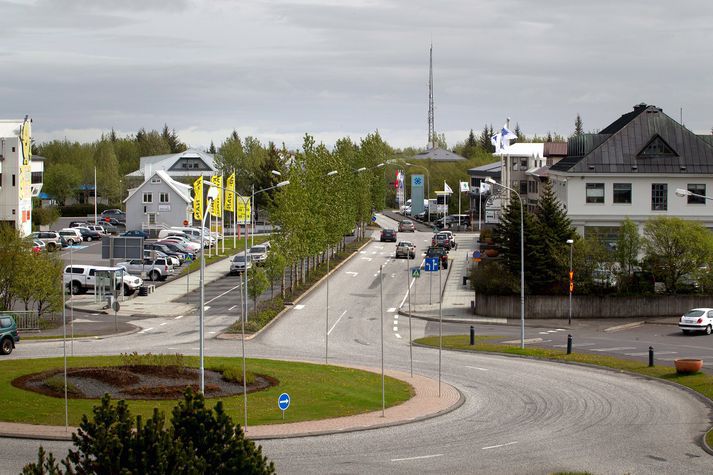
(277, 69)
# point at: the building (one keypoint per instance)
(185, 166)
(159, 202)
(20, 175)
(439, 155)
(632, 168)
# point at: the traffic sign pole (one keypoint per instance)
(440, 329)
(408, 293)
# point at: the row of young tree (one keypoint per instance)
(671, 251)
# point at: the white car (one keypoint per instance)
(258, 254)
(697, 319)
(239, 263)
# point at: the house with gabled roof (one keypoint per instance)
(159, 202)
(184, 166)
(632, 168)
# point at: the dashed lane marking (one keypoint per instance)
(398, 336)
(391, 310)
(231, 308)
(420, 457)
(396, 329)
(178, 317)
(475, 367)
(335, 323)
(164, 323)
(498, 446)
(299, 307)
(577, 345)
(353, 274)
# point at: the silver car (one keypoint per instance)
(239, 263)
(258, 254)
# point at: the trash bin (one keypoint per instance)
(143, 291)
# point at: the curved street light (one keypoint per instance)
(490, 181)
(326, 327)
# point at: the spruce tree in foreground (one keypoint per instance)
(199, 441)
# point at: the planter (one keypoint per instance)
(491, 252)
(688, 365)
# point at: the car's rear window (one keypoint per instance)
(694, 313)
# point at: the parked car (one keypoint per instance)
(406, 249)
(37, 246)
(407, 226)
(114, 222)
(604, 278)
(195, 235)
(114, 213)
(697, 319)
(184, 243)
(258, 254)
(179, 256)
(76, 224)
(388, 235)
(52, 239)
(439, 252)
(8, 334)
(157, 269)
(452, 220)
(99, 228)
(135, 233)
(181, 251)
(239, 263)
(72, 235)
(89, 235)
(81, 278)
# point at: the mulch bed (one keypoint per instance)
(136, 382)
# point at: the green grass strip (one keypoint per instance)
(699, 382)
(317, 392)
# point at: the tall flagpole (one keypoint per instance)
(95, 195)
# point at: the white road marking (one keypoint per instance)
(146, 330)
(497, 446)
(644, 353)
(335, 323)
(211, 333)
(420, 457)
(475, 367)
(544, 333)
(164, 323)
(367, 258)
(398, 336)
(178, 317)
(205, 309)
(396, 329)
(527, 340)
(353, 274)
(299, 307)
(561, 330)
(227, 291)
(616, 348)
(391, 310)
(376, 275)
(231, 308)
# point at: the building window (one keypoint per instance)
(148, 197)
(515, 161)
(622, 193)
(523, 187)
(699, 190)
(595, 192)
(155, 180)
(152, 218)
(36, 178)
(13, 179)
(659, 196)
(163, 197)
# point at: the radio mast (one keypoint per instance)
(431, 125)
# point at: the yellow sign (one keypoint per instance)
(216, 210)
(198, 199)
(230, 194)
(242, 215)
(26, 139)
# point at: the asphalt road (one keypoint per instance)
(520, 416)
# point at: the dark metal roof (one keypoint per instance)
(555, 149)
(618, 149)
(438, 154)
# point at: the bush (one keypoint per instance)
(81, 210)
(135, 359)
(234, 374)
(44, 216)
(492, 278)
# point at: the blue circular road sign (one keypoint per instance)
(373, 219)
(283, 402)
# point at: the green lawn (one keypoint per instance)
(317, 392)
(699, 382)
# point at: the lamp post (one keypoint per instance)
(326, 327)
(571, 276)
(683, 193)
(212, 194)
(522, 259)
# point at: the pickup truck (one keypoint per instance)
(82, 278)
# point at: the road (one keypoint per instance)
(520, 416)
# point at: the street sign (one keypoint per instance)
(373, 219)
(416, 272)
(283, 402)
(431, 264)
(476, 256)
(185, 222)
(115, 305)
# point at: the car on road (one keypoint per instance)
(8, 334)
(407, 226)
(439, 252)
(443, 240)
(239, 263)
(258, 254)
(135, 233)
(405, 249)
(52, 240)
(697, 319)
(388, 235)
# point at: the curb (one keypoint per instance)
(625, 326)
(237, 336)
(708, 402)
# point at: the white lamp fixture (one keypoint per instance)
(681, 192)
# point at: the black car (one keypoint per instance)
(89, 235)
(135, 233)
(439, 252)
(388, 235)
(114, 222)
(114, 213)
(165, 249)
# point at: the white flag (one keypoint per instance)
(484, 188)
(447, 188)
(501, 140)
(464, 186)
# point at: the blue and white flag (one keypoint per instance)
(501, 140)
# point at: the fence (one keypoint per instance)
(31, 321)
(588, 306)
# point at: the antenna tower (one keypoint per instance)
(431, 125)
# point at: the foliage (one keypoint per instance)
(38, 280)
(44, 216)
(107, 167)
(14, 252)
(589, 255)
(235, 374)
(199, 440)
(81, 210)
(628, 246)
(674, 247)
(149, 359)
(258, 283)
(61, 181)
(491, 278)
(578, 127)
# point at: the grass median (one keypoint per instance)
(699, 382)
(316, 391)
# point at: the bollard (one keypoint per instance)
(569, 344)
(472, 335)
(651, 356)
(465, 280)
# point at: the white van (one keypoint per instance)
(164, 233)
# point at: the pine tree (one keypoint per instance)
(212, 148)
(484, 139)
(578, 129)
(518, 132)
(549, 136)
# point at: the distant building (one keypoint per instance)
(184, 167)
(159, 202)
(21, 176)
(438, 155)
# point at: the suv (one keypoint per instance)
(51, 239)
(258, 254)
(88, 234)
(157, 269)
(72, 235)
(406, 249)
(388, 235)
(407, 225)
(439, 252)
(8, 334)
(442, 240)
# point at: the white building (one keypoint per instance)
(20, 176)
(179, 166)
(159, 202)
(632, 168)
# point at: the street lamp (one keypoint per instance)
(490, 181)
(326, 328)
(682, 193)
(571, 276)
(212, 194)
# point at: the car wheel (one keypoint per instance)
(127, 290)
(51, 246)
(154, 275)
(6, 346)
(709, 330)
(89, 239)
(686, 332)
(75, 288)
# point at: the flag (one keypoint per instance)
(242, 215)
(464, 186)
(484, 188)
(216, 210)
(447, 188)
(198, 199)
(230, 194)
(501, 140)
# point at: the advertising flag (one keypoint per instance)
(501, 140)
(447, 188)
(198, 199)
(216, 210)
(464, 186)
(230, 194)
(242, 206)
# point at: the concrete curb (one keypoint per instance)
(236, 336)
(708, 402)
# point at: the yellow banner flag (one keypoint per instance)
(198, 199)
(230, 194)
(242, 215)
(216, 210)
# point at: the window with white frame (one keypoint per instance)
(148, 197)
(595, 193)
(155, 179)
(151, 218)
(622, 193)
(163, 197)
(699, 189)
(659, 196)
